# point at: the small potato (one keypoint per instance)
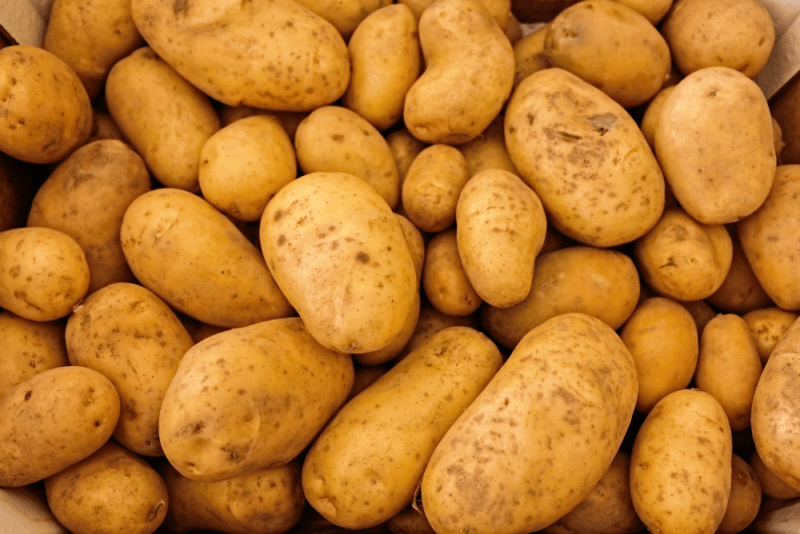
(683, 259)
(444, 279)
(432, 186)
(529, 56)
(652, 114)
(111, 491)
(415, 243)
(43, 273)
(45, 113)
(740, 292)
(488, 151)
(28, 348)
(405, 149)
(244, 165)
(728, 367)
(745, 498)
(335, 139)
(681, 465)
(663, 340)
(767, 326)
(52, 421)
(771, 485)
(500, 229)
(345, 15)
(652, 10)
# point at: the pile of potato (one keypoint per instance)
(398, 264)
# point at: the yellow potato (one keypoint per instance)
(771, 485)
(513, 29)
(499, 9)
(345, 15)
(405, 148)
(652, 114)
(415, 243)
(395, 346)
(745, 498)
(444, 279)
(777, 135)
(104, 128)
(701, 312)
(287, 119)
(529, 55)
(740, 292)
(652, 10)
(488, 151)
(431, 321)
(767, 326)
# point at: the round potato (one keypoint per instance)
(740, 292)
(745, 498)
(444, 279)
(767, 326)
(499, 9)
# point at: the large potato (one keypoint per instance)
(339, 255)
(274, 55)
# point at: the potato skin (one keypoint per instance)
(111, 491)
(391, 429)
(444, 279)
(767, 326)
(740, 292)
(745, 498)
(529, 55)
(488, 151)
(345, 15)
(771, 485)
(540, 436)
(52, 421)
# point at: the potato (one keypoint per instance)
(738, 34)
(243, 165)
(52, 421)
(468, 76)
(585, 158)
(740, 292)
(395, 346)
(43, 273)
(405, 148)
(91, 37)
(432, 321)
(288, 120)
(444, 279)
(29, 348)
(191, 256)
(652, 114)
(415, 243)
(339, 255)
(536, 441)
(662, 338)
(365, 377)
(771, 485)
(681, 465)
(529, 55)
(683, 259)
(499, 9)
(432, 185)
(610, 46)
(267, 501)
(767, 326)
(384, 47)
(104, 128)
(45, 113)
(769, 238)
(601, 283)
(488, 151)
(111, 491)
(86, 198)
(608, 509)
(500, 229)
(701, 312)
(652, 10)
(745, 498)
(513, 29)
(345, 15)
(777, 136)
(253, 411)
(409, 521)
(391, 429)
(335, 139)
(220, 48)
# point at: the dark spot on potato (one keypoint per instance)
(281, 240)
(278, 215)
(180, 6)
(28, 395)
(362, 257)
(97, 423)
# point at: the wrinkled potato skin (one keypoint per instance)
(166, 235)
(488, 151)
(531, 447)
(262, 411)
(127, 334)
(219, 47)
(42, 121)
(681, 465)
(267, 501)
(98, 182)
(52, 421)
(468, 76)
(43, 273)
(444, 279)
(745, 498)
(111, 491)
(166, 120)
(610, 46)
(561, 130)
(740, 292)
(767, 326)
(652, 114)
(529, 55)
(603, 284)
(29, 348)
(391, 429)
(771, 485)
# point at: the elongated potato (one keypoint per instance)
(444, 279)
(540, 436)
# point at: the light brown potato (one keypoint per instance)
(111, 491)
(165, 118)
(499, 9)
(287, 119)
(384, 47)
(52, 421)
(652, 114)
(335, 139)
(745, 498)
(468, 76)
(391, 429)
(266, 501)
(610, 46)
(345, 15)
(405, 149)
(738, 34)
(652, 10)
(104, 128)
(529, 56)
(28, 348)
(488, 151)
(91, 37)
(365, 377)
(339, 255)
(415, 243)
(43, 273)
(191, 256)
(683, 259)
(253, 412)
(431, 321)
(740, 292)
(220, 49)
(663, 340)
(513, 29)
(500, 230)
(45, 113)
(532, 446)
(585, 158)
(681, 465)
(97, 183)
(394, 347)
(444, 279)
(432, 186)
(701, 312)
(767, 326)
(771, 485)
(728, 367)
(602, 283)
(243, 165)
(553, 240)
